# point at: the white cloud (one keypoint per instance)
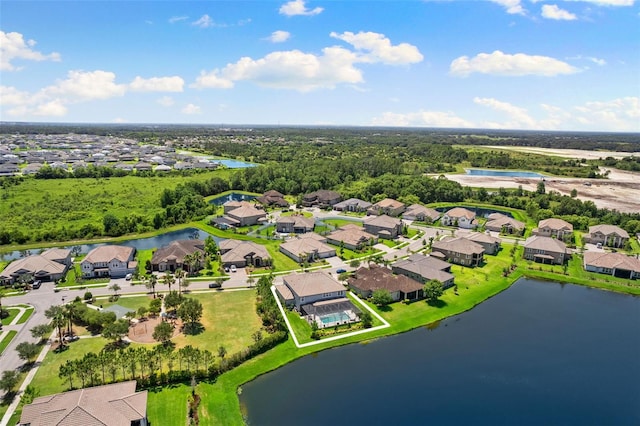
(191, 109)
(519, 117)
(165, 101)
(212, 80)
(598, 61)
(422, 119)
(157, 84)
(513, 7)
(12, 96)
(54, 108)
(622, 114)
(175, 19)
(498, 63)
(552, 11)
(204, 21)
(297, 7)
(13, 46)
(279, 36)
(380, 49)
(608, 2)
(119, 120)
(84, 86)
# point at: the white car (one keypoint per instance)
(128, 277)
(233, 268)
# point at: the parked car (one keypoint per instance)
(36, 285)
(233, 268)
(215, 285)
(128, 277)
(341, 271)
(226, 269)
(71, 338)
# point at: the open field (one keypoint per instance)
(567, 153)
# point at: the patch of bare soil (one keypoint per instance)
(142, 331)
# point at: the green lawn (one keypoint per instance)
(26, 315)
(337, 223)
(7, 339)
(73, 279)
(168, 405)
(131, 303)
(142, 256)
(13, 312)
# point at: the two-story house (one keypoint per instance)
(460, 217)
(554, 227)
(607, 235)
(545, 250)
(109, 261)
(459, 250)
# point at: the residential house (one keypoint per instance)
(353, 238)
(59, 255)
(388, 206)
(295, 224)
(459, 250)
(233, 204)
(321, 198)
(310, 287)
(243, 254)
(616, 264)
(554, 227)
(116, 404)
(420, 213)
(490, 243)
(607, 235)
(498, 222)
(172, 256)
(401, 287)
(383, 227)
(460, 217)
(109, 261)
(424, 268)
(36, 267)
(247, 215)
(352, 205)
(307, 249)
(273, 199)
(142, 167)
(545, 250)
(9, 169)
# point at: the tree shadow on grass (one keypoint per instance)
(437, 303)
(192, 329)
(386, 308)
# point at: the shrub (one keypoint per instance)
(88, 296)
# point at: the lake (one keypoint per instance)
(139, 243)
(233, 196)
(503, 173)
(234, 164)
(537, 353)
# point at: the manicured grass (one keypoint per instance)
(26, 315)
(7, 339)
(298, 212)
(341, 222)
(389, 243)
(13, 312)
(142, 257)
(73, 279)
(168, 405)
(131, 303)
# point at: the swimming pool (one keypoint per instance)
(503, 173)
(335, 317)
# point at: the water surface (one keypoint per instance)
(503, 173)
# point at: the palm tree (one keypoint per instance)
(179, 276)
(186, 262)
(71, 313)
(58, 319)
(196, 261)
(151, 283)
(169, 280)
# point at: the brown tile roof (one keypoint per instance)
(480, 237)
(461, 212)
(306, 245)
(116, 404)
(246, 211)
(107, 253)
(383, 221)
(428, 267)
(612, 261)
(417, 209)
(243, 249)
(458, 245)
(388, 203)
(555, 224)
(298, 220)
(312, 283)
(37, 265)
(351, 226)
(177, 250)
(498, 220)
(538, 242)
(378, 277)
(608, 229)
(351, 236)
(284, 291)
(56, 253)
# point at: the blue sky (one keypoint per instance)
(514, 64)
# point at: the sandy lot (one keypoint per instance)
(621, 191)
(568, 153)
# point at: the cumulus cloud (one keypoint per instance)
(12, 96)
(191, 109)
(622, 114)
(165, 101)
(212, 80)
(298, 7)
(609, 2)
(13, 46)
(421, 119)
(54, 108)
(378, 48)
(499, 63)
(279, 36)
(204, 21)
(513, 7)
(157, 84)
(86, 85)
(175, 19)
(519, 117)
(552, 11)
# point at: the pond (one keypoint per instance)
(537, 353)
(479, 211)
(503, 173)
(234, 164)
(139, 243)
(233, 196)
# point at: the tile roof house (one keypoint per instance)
(460, 217)
(307, 249)
(116, 404)
(367, 280)
(616, 264)
(383, 226)
(388, 206)
(553, 227)
(352, 205)
(59, 255)
(247, 215)
(498, 222)
(36, 266)
(243, 254)
(321, 198)
(295, 224)
(459, 250)
(353, 238)
(420, 213)
(545, 250)
(490, 243)
(171, 256)
(310, 287)
(109, 261)
(424, 268)
(272, 198)
(607, 235)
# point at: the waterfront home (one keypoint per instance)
(459, 250)
(425, 268)
(295, 224)
(616, 264)
(272, 198)
(247, 215)
(490, 244)
(421, 213)
(498, 222)
(116, 404)
(307, 249)
(545, 250)
(109, 261)
(607, 235)
(401, 287)
(460, 217)
(388, 206)
(172, 256)
(353, 238)
(554, 227)
(322, 198)
(243, 254)
(383, 226)
(60, 255)
(355, 205)
(37, 267)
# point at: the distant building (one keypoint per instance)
(425, 268)
(353, 238)
(352, 205)
(307, 249)
(421, 213)
(272, 199)
(243, 254)
(321, 198)
(388, 206)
